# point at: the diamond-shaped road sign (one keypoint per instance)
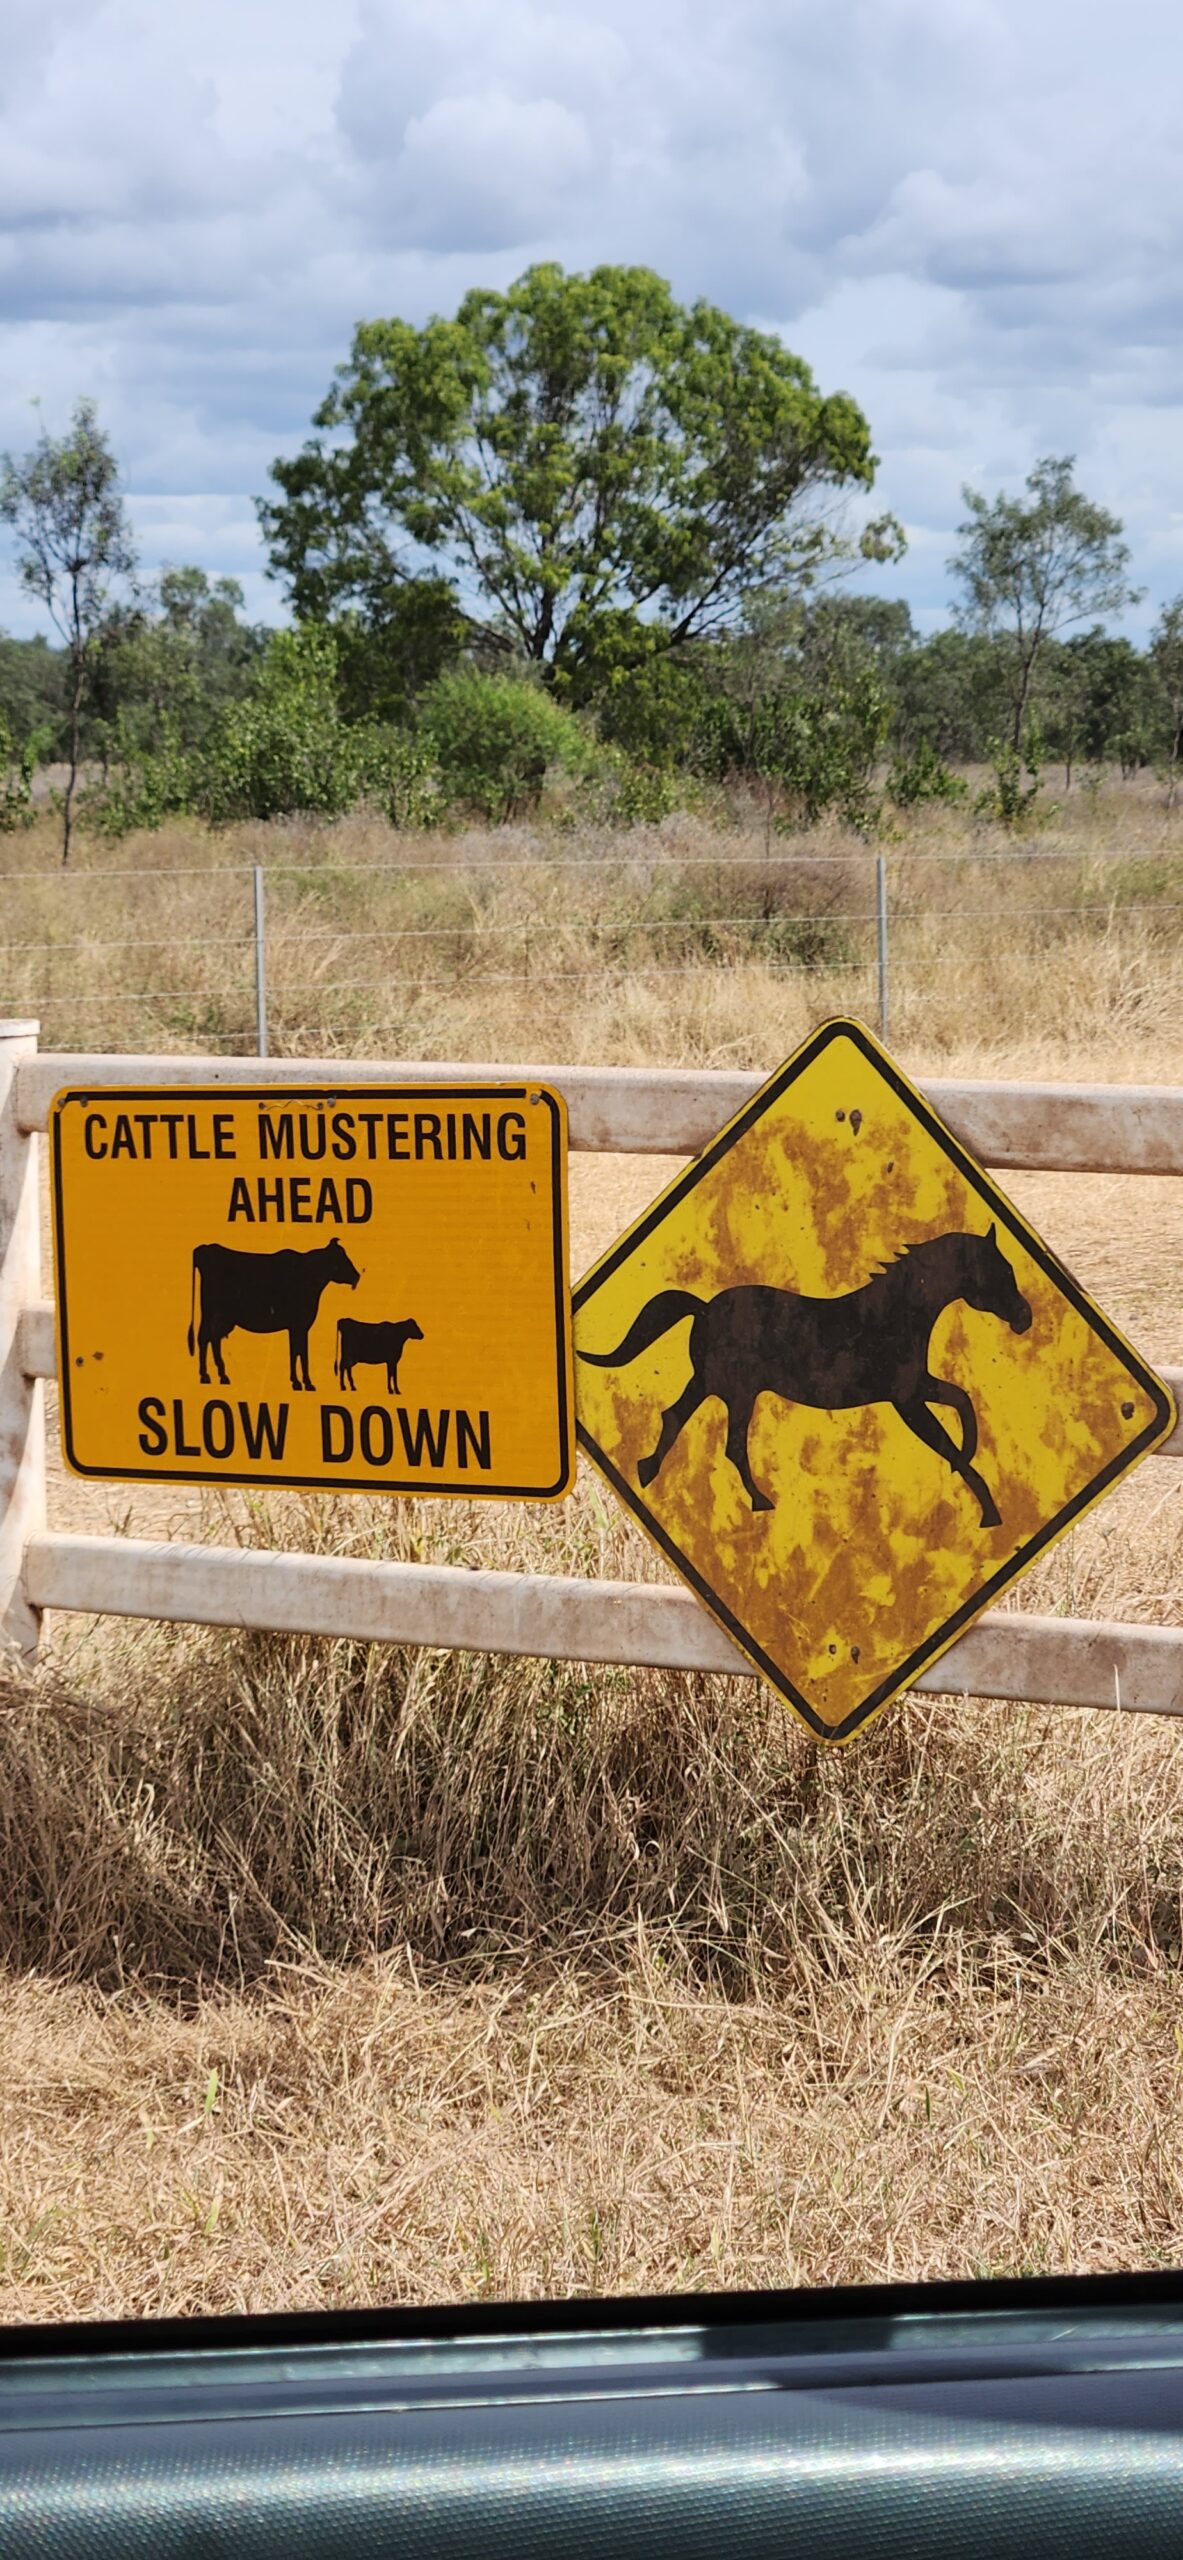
(845, 1386)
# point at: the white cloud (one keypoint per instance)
(485, 172)
(968, 212)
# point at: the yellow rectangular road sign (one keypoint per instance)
(362, 1288)
(845, 1386)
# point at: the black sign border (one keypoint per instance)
(1053, 1269)
(324, 1093)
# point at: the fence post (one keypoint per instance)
(260, 966)
(881, 937)
(22, 1412)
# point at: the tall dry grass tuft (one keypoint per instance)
(201, 1805)
(687, 940)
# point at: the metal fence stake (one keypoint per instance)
(261, 1050)
(881, 937)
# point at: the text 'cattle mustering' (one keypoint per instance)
(307, 1137)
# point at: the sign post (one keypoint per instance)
(363, 1289)
(844, 1385)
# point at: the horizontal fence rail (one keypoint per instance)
(1065, 1661)
(1008, 1654)
(1032, 1128)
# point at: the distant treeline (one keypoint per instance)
(1098, 699)
(579, 540)
(191, 708)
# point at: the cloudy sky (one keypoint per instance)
(969, 213)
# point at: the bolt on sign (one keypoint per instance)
(357, 1288)
(845, 1386)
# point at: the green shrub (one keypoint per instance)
(618, 790)
(285, 749)
(1009, 799)
(143, 785)
(495, 738)
(643, 794)
(805, 752)
(923, 775)
(650, 710)
(406, 781)
(282, 751)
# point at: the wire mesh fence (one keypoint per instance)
(328, 955)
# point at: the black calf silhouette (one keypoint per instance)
(869, 1347)
(359, 1345)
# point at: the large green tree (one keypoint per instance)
(1030, 568)
(594, 471)
(74, 547)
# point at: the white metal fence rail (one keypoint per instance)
(1008, 1654)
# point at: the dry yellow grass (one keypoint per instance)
(337, 1977)
(684, 940)
(370, 2137)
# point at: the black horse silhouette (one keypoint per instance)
(869, 1347)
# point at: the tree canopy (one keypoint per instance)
(587, 467)
(74, 544)
(1032, 568)
(170, 661)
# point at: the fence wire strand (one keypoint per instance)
(613, 948)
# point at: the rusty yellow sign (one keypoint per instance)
(363, 1288)
(845, 1386)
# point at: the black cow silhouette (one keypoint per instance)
(263, 1293)
(360, 1345)
(869, 1347)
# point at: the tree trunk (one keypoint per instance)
(1021, 709)
(72, 775)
